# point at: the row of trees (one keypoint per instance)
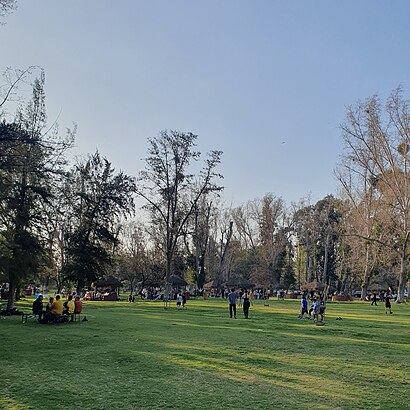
(64, 222)
(351, 242)
(68, 222)
(56, 220)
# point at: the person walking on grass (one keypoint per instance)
(232, 303)
(304, 308)
(179, 301)
(240, 294)
(374, 299)
(387, 304)
(246, 304)
(314, 309)
(322, 308)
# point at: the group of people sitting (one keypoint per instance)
(56, 308)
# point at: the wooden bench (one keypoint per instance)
(74, 317)
(26, 316)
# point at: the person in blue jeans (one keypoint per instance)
(304, 308)
(232, 303)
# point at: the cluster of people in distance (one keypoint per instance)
(56, 307)
(317, 309)
(252, 294)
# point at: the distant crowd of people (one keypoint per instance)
(254, 294)
(242, 298)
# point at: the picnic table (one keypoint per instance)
(66, 318)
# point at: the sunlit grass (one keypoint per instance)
(141, 356)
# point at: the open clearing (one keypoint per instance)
(141, 356)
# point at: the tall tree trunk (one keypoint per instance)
(310, 268)
(325, 263)
(201, 276)
(18, 292)
(80, 286)
(402, 276)
(222, 259)
(12, 293)
(299, 267)
(366, 275)
(132, 285)
(167, 275)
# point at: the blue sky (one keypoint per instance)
(267, 82)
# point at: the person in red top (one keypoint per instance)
(78, 305)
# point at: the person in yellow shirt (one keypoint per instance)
(57, 306)
(69, 306)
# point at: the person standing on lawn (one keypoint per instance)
(374, 299)
(314, 309)
(232, 303)
(240, 294)
(387, 303)
(322, 308)
(246, 304)
(304, 308)
(179, 301)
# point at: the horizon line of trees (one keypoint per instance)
(76, 223)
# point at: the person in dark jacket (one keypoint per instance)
(246, 304)
(232, 303)
(387, 304)
(38, 307)
(322, 308)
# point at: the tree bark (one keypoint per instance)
(12, 294)
(222, 259)
(402, 276)
(325, 263)
(366, 276)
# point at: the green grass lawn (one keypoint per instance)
(140, 356)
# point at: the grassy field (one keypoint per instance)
(140, 356)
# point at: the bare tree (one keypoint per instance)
(6, 7)
(132, 257)
(246, 222)
(10, 88)
(226, 231)
(202, 217)
(361, 217)
(377, 141)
